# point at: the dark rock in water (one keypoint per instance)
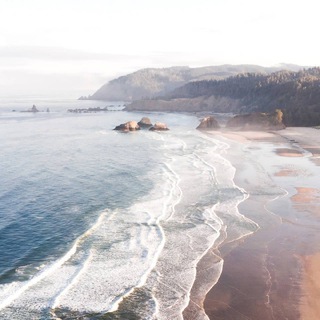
(159, 126)
(84, 98)
(208, 123)
(128, 126)
(257, 121)
(145, 122)
(34, 109)
(88, 110)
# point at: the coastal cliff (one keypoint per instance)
(297, 94)
(212, 103)
(257, 121)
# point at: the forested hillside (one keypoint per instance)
(151, 82)
(297, 94)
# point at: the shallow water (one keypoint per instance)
(103, 224)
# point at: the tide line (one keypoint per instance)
(74, 279)
(51, 268)
(167, 204)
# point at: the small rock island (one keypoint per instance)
(144, 123)
(128, 126)
(159, 126)
(208, 123)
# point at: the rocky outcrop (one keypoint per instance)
(128, 126)
(257, 121)
(34, 109)
(208, 123)
(145, 122)
(159, 126)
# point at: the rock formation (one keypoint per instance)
(34, 109)
(128, 126)
(257, 121)
(208, 123)
(145, 122)
(159, 126)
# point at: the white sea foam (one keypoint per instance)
(205, 181)
(155, 244)
(113, 273)
(46, 272)
(190, 231)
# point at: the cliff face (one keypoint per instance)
(257, 121)
(198, 104)
(149, 83)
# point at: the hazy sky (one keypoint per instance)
(72, 47)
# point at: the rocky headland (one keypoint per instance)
(257, 121)
(297, 94)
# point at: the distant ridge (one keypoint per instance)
(152, 82)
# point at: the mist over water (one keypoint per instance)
(105, 224)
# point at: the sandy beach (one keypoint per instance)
(273, 273)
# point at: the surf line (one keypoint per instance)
(51, 268)
(167, 209)
(64, 291)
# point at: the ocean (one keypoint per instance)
(99, 224)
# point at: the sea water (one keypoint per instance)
(101, 224)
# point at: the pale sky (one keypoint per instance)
(71, 47)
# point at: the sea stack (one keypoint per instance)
(145, 122)
(34, 109)
(159, 126)
(128, 126)
(208, 123)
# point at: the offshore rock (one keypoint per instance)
(145, 122)
(159, 126)
(208, 123)
(33, 109)
(128, 126)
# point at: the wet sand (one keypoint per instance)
(275, 272)
(310, 307)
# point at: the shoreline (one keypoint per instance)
(281, 280)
